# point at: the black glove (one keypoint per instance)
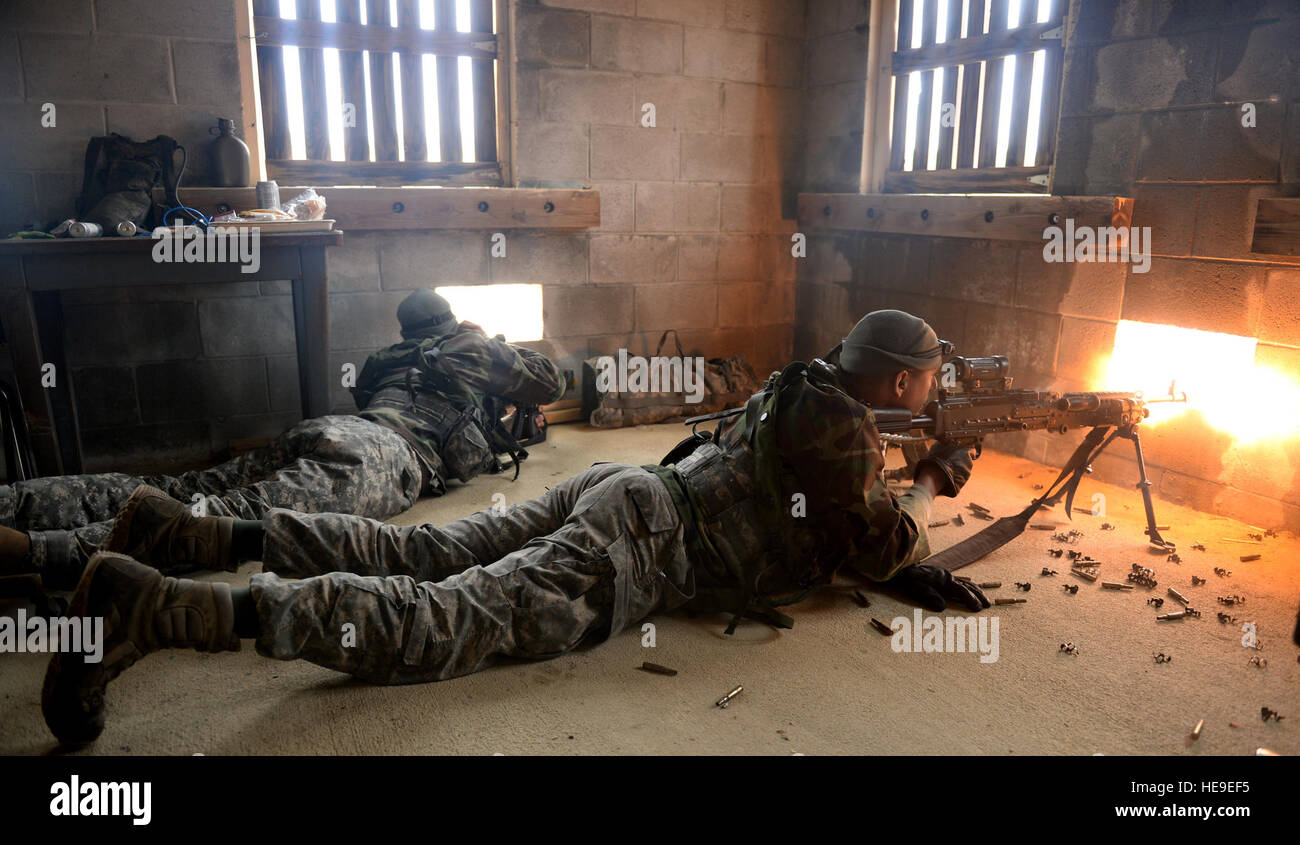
(954, 463)
(933, 587)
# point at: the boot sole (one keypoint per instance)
(79, 607)
(121, 530)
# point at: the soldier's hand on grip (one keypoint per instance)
(952, 461)
(933, 587)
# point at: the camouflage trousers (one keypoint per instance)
(335, 463)
(410, 604)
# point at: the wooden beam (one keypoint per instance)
(376, 35)
(356, 143)
(959, 215)
(395, 173)
(383, 99)
(1277, 227)
(311, 64)
(999, 42)
(948, 94)
(970, 92)
(431, 208)
(876, 110)
(484, 88)
(897, 145)
(448, 87)
(274, 100)
(1008, 180)
(249, 102)
(414, 145)
(991, 108)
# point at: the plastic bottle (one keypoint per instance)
(229, 156)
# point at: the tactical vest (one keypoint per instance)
(750, 554)
(457, 430)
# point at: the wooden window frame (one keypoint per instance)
(882, 157)
(268, 150)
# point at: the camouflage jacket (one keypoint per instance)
(463, 368)
(812, 470)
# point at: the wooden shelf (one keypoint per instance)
(997, 217)
(362, 209)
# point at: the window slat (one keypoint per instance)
(999, 42)
(382, 97)
(448, 87)
(352, 76)
(970, 95)
(898, 145)
(270, 72)
(413, 143)
(355, 36)
(924, 102)
(991, 109)
(485, 130)
(311, 61)
(948, 94)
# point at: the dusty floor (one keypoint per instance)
(832, 685)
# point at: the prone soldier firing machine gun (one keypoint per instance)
(986, 404)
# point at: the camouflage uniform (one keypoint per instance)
(374, 464)
(590, 557)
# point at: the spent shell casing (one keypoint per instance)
(882, 627)
(1041, 527)
(726, 699)
(1177, 614)
(1196, 731)
(1116, 585)
(1085, 573)
(1249, 558)
(989, 585)
(1182, 598)
(657, 669)
(861, 599)
(965, 578)
(1010, 601)
(938, 523)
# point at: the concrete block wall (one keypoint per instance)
(696, 212)
(1152, 109)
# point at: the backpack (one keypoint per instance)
(120, 175)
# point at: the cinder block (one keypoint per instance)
(838, 58)
(836, 109)
(724, 258)
(572, 311)
(355, 265)
(720, 158)
(777, 17)
(194, 390)
(767, 110)
(251, 326)
(1081, 290)
(782, 62)
(49, 16)
(831, 16)
(411, 260)
(552, 150)
(555, 258)
(676, 306)
(552, 37)
(612, 7)
(775, 261)
(617, 206)
(282, 381)
(633, 153)
(1085, 346)
(141, 332)
(341, 401)
(680, 102)
(1291, 144)
(1196, 294)
(97, 67)
(205, 71)
(195, 18)
(755, 304)
(105, 396)
(832, 165)
(682, 11)
(364, 320)
(56, 195)
(676, 207)
(31, 146)
(11, 78)
(567, 353)
(1280, 318)
(1152, 73)
(1257, 61)
(973, 270)
(584, 96)
(1096, 155)
(19, 209)
(831, 257)
(1212, 144)
(636, 45)
(1028, 338)
(1254, 509)
(904, 264)
(121, 447)
(721, 54)
(750, 208)
(1225, 219)
(633, 258)
(1170, 212)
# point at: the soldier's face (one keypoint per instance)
(912, 388)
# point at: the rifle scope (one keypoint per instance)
(981, 369)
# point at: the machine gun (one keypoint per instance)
(987, 404)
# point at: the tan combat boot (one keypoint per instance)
(154, 528)
(143, 611)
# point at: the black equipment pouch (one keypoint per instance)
(119, 177)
